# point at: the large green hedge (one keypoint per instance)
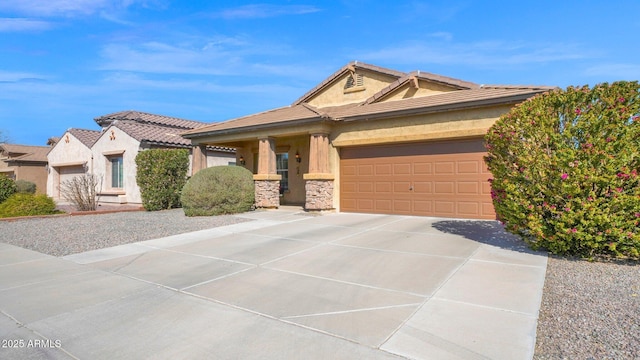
(565, 170)
(7, 187)
(218, 190)
(161, 175)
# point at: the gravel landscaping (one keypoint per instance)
(590, 310)
(64, 235)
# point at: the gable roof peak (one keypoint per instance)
(351, 67)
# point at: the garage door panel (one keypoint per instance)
(445, 168)
(383, 205)
(402, 169)
(444, 187)
(422, 168)
(365, 187)
(433, 179)
(468, 167)
(365, 170)
(468, 188)
(384, 187)
(422, 187)
(383, 169)
(469, 208)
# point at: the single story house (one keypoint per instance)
(110, 153)
(25, 162)
(374, 140)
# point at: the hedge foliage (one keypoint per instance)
(24, 186)
(7, 187)
(161, 175)
(218, 190)
(25, 204)
(565, 167)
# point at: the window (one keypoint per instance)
(117, 173)
(282, 169)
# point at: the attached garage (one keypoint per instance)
(67, 173)
(445, 179)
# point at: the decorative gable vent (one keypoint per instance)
(354, 81)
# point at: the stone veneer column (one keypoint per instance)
(319, 180)
(267, 180)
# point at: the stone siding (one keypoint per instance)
(267, 193)
(319, 195)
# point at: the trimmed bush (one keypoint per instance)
(7, 187)
(24, 204)
(565, 167)
(24, 186)
(218, 190)
(161, 175)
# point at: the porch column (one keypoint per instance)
(319, 180)
(267, 180)
(198, 158)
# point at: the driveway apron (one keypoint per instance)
(287, 285)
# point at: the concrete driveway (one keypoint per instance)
(288, 285)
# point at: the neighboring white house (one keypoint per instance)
(110, 153)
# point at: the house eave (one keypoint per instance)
(248, 128)
(473, 104)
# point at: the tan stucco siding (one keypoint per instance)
(449, 125)
(336, 95)
(215, 158)
(111, 142)
(424, 89)
(69, 150)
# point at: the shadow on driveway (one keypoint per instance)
(486, 232)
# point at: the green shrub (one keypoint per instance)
(24, 186)
(565, 167)
(161, 175)
(24, 204)
(218, 190)
(7, 187)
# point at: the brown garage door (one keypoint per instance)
(447, 179)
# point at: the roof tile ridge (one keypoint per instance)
(516, 87)
(316, 110)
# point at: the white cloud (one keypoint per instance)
(481, 54)
(12, 77)
(254, 11)
(23, 24)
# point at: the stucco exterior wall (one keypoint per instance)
(115, 141)
(424, 89)
(216, 158)
(453, 124)
(336, 94)
(65, 153)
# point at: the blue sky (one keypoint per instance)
(65, 62)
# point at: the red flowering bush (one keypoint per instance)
(565, 170)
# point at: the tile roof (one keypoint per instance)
(158, 135)
(146, 118)
(87, 137)
(445, 80)
(441, 102)
(275, 116)
(26, 152)
(459, 99)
